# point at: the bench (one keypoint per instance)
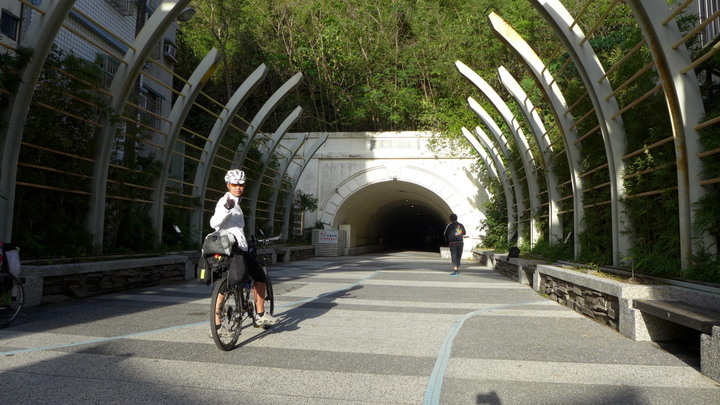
(692, 316)
(704, 320)
(44, 283)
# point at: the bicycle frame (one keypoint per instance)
(231, 305)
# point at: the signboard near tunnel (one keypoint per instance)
(328, 236)
(329, 242)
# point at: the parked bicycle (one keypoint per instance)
(12, 295)
(235, 304)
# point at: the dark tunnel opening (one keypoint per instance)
(413, 227)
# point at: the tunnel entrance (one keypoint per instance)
(394, 214)
(412, 227)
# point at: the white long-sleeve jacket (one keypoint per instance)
(231, 220)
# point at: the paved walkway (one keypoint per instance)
(380, 329)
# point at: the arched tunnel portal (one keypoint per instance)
(394, 214)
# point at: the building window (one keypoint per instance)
(706, 9)
(152, 102)
(109, 66)
(9, 25)
(125, 7)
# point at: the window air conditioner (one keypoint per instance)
(170, 51)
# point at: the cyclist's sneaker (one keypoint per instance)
(222, 332)
(265, 320)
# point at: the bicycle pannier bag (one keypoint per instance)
(11, 259)
(236, 270)
(219, 242)
(204, 272)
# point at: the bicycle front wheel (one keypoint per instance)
(12, 297)
(225, 307)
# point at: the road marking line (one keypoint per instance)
(432, 393)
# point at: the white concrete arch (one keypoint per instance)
(521, 142)
(254, 188)
(489, 156)
(277, 182)
(295, 177)
(120, 88)
(686, 109)
(177, 117)
(600, 92)
(222, 124)
(558, 106)
(502, 144)
(15, 114)
(261, 116)
(545, 148)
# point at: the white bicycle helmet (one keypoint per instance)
(235, 176)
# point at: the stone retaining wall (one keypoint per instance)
(62, 288)
(301, 253)
(596, 305)
(63, 281)
(507, 269)
(480, 257)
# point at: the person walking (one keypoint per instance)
(228, 216)
(454, 234)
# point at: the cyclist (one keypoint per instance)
(228, 216)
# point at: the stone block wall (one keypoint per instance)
(507, 269)
(300, 254)
(64, 287)
(594, 304)
(480, 257)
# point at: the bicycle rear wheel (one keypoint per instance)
(249, 301)
(226, 302)
(269, 295)
(12, 297)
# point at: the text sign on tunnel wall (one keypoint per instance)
(328, 236)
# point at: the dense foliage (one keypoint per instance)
(368, 66)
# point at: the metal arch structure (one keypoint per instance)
(503, 145)
(120, 88)
(254, 189)
(277, 180)
(686, 109)
(217, 132)
(46, 26)
(520, 140)
(559, 107)
(600, 93)
(261, 116)
(177, 116)
(484, 156)
(490, 158)
(295, 177)
(538, 129)
(487, 162)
